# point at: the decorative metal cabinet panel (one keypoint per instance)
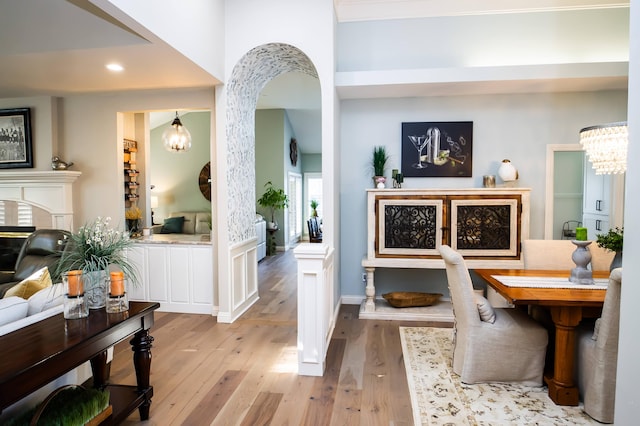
(407, 227)
(485, 227)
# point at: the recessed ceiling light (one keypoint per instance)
(115, 67)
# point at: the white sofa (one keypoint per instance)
(16, 312)
(194, 222)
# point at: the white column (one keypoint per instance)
(315, 306)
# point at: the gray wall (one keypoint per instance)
(517, 127)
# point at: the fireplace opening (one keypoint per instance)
(11, 240)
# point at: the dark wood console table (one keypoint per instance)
(39, 353)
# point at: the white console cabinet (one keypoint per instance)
(178, 276)
(406, 228)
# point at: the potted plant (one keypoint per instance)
(314, 206)
(273, 199)
(612, 241)
(379, 162)
(96, 249)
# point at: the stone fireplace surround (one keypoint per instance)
(50, 193)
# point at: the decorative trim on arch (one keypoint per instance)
(249, 76)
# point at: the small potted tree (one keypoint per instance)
(273, 199)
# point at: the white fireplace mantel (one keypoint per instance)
(49, 190)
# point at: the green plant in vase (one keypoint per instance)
(612, 241)
(97, 249)
(314, 206)
(273, 199)
(379, 163)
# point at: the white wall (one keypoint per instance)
(487, 40)
(628, 377)
(195, 29)
(517, 127)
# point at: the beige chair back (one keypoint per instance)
(548, 254)
(556, 254)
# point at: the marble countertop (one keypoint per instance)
(197, 239)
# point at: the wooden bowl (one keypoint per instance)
(408, 299)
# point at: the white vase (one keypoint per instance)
(507, 171)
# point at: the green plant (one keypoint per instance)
(379, 161)
(273, 199)
(96, 246)
(612, 240)
(69, 406)
(314, 206)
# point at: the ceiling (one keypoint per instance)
(61, 47)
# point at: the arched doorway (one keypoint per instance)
(237, 277)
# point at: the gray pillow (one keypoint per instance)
(172, 225)
(485, 310)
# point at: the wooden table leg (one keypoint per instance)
(562, 389)
(100, 369)
(141, 346)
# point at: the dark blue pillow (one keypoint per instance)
(172, 225)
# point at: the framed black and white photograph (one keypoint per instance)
(437, 149)
(15, 138)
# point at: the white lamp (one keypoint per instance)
(606, 147)
(176, 138)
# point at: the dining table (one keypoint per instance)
(568, 304)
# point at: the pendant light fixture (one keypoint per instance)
(176, 138)
(606, 147)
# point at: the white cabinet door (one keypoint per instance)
(595, 224)
(597, 191)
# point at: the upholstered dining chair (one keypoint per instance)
(597, 355)
(315, 234)
(491, 345)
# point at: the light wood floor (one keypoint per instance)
(245, 373)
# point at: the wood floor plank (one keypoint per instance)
(209, 407)
(262, 409)
(320, 404)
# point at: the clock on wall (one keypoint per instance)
(293, 151)
(204, 181)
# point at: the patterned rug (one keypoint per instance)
(439, 398)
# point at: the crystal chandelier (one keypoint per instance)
(606, 147)
(176, 138)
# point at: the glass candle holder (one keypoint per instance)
(75, 303)
(117, 300)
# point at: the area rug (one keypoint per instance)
(438, 397)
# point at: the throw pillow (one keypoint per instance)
(172, 225)
(487, 314)
(46, 299)
(31, 285)
(12, 309)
